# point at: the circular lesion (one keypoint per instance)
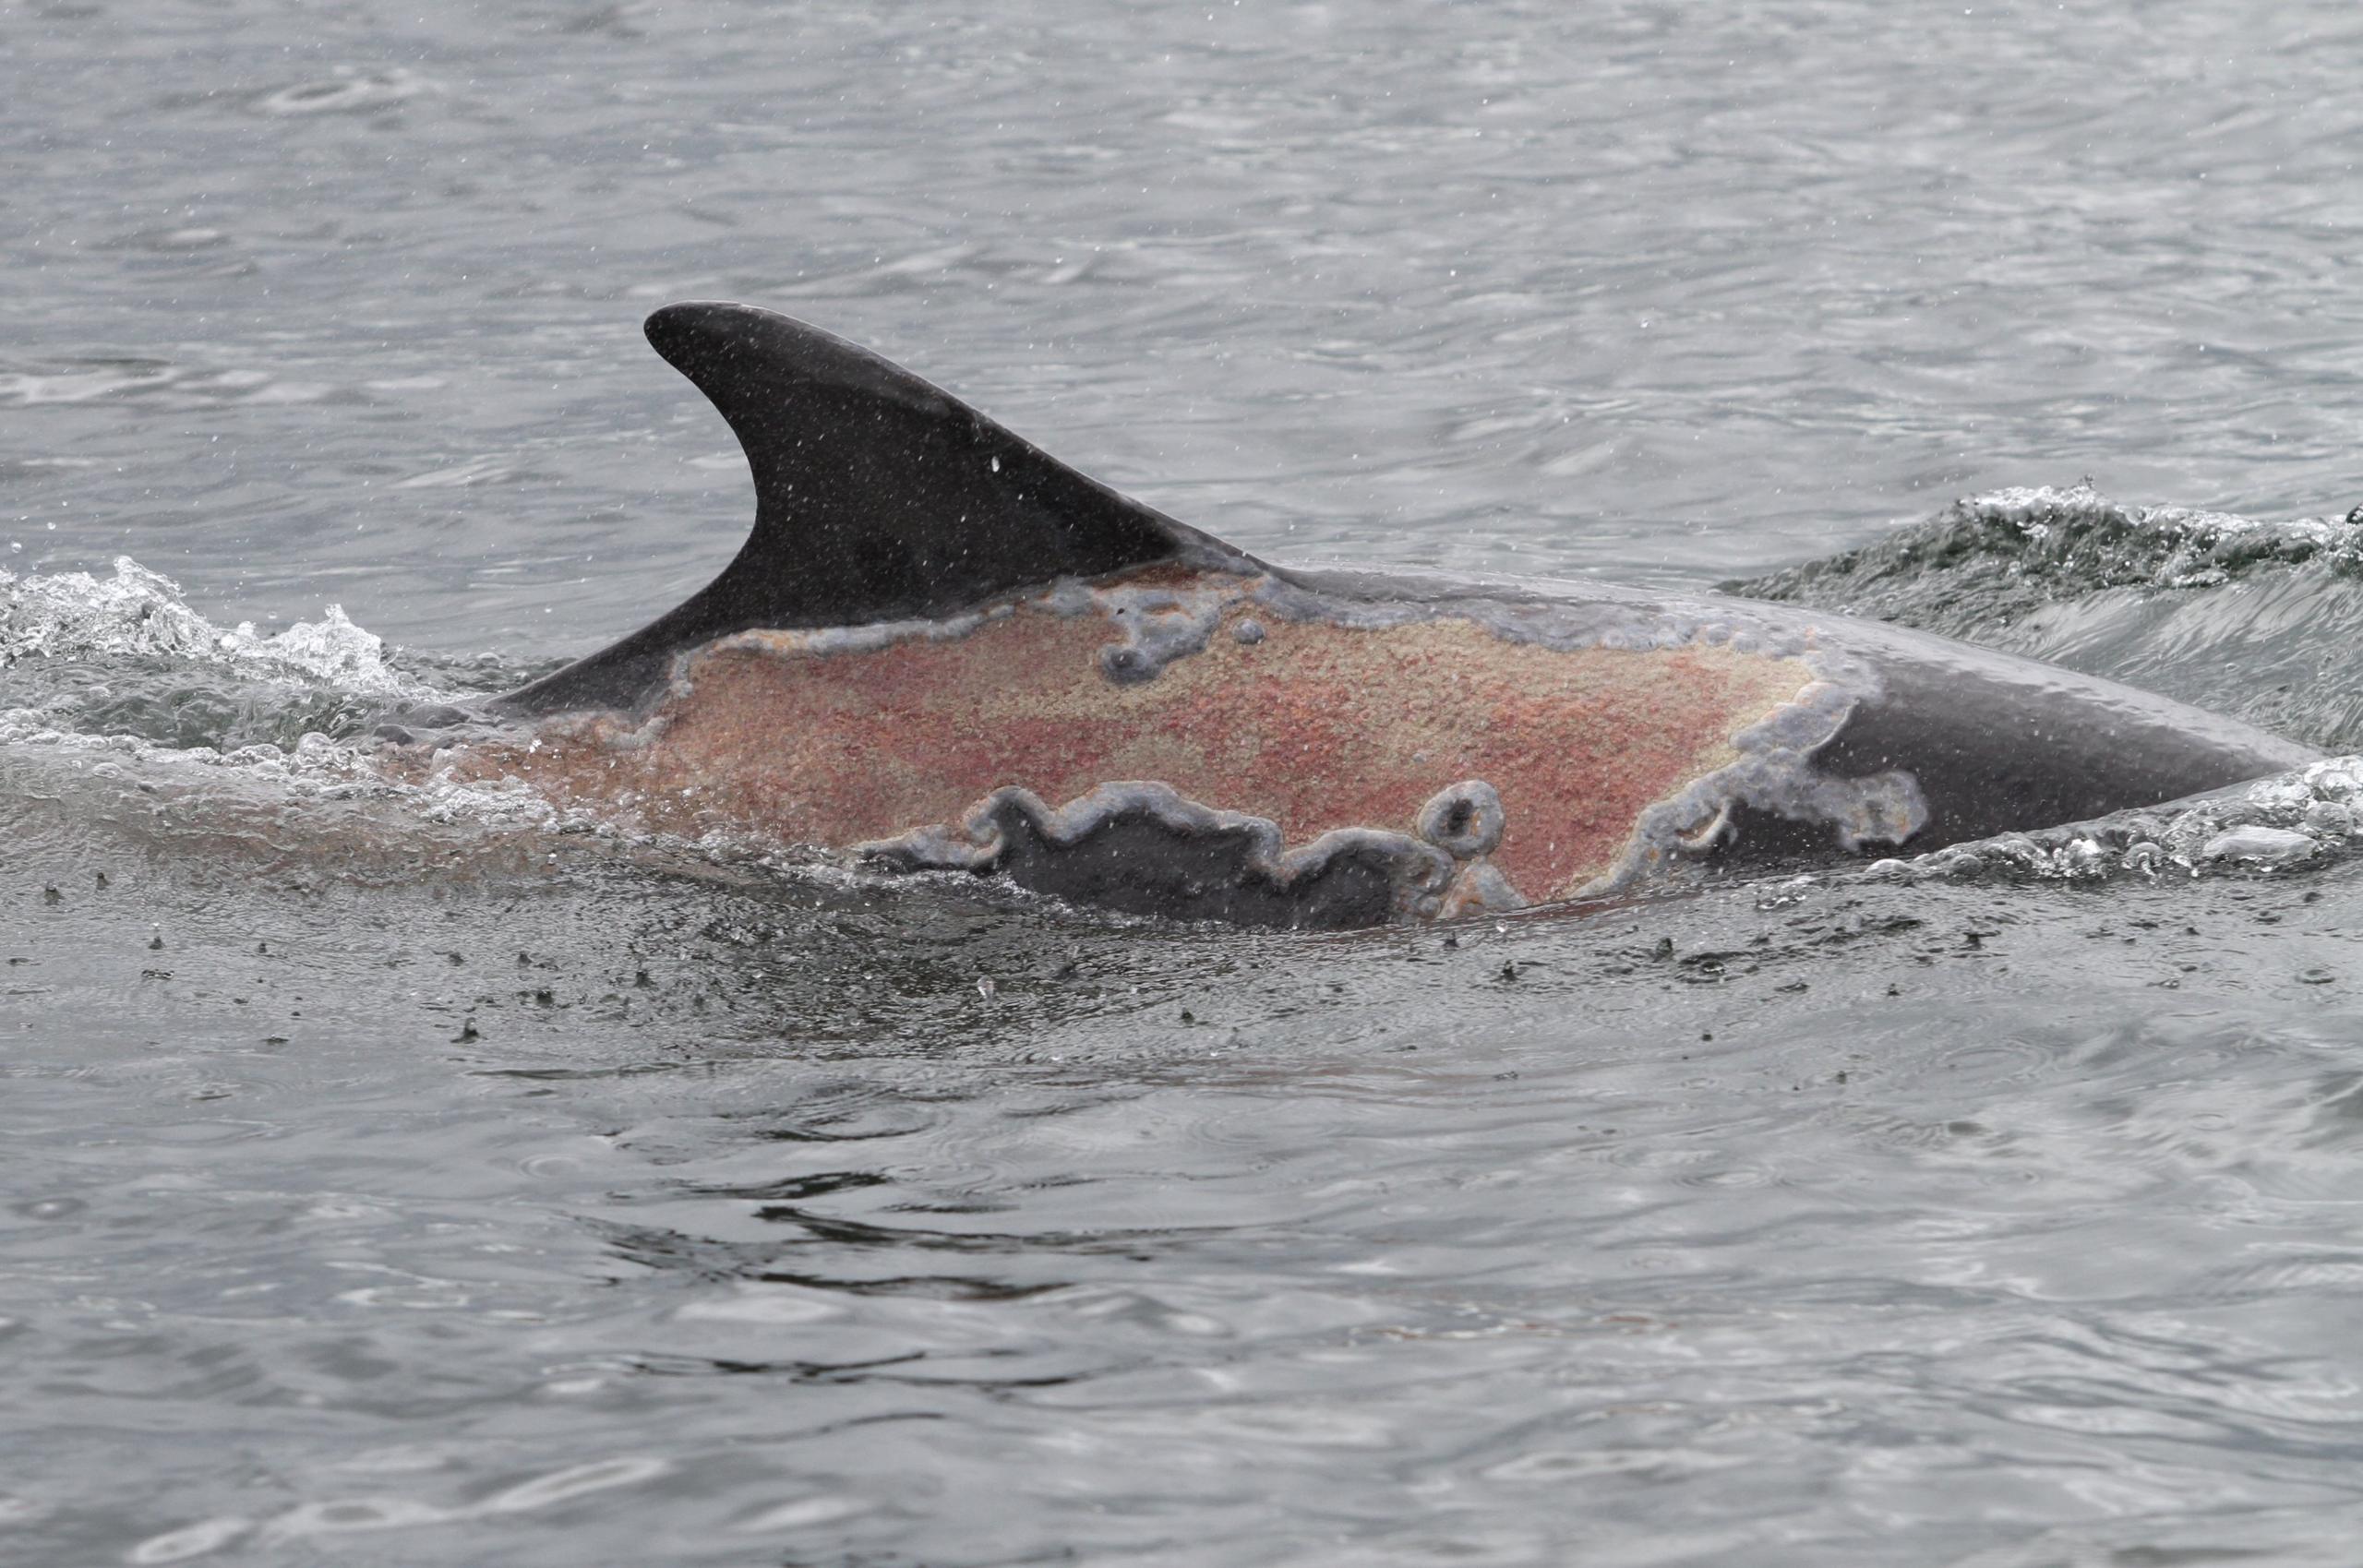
(1465, 819)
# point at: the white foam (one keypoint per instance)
(2305, 817)
(139, 612)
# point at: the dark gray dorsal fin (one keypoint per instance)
(878, 497)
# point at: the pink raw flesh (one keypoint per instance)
(1316, 727)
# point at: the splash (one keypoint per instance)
(2308, 818)
(138, 613)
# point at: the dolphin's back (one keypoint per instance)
(2001, 744)
(942, 649)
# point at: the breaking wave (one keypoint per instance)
(2262, 620)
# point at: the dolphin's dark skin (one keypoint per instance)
(877, 497)
(941, 648)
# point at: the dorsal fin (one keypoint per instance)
(878, 497)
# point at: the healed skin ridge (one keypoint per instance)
(942, 649)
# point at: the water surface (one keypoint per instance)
(400, 1177)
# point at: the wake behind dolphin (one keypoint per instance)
(942, 649)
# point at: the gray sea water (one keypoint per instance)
(393, 1177)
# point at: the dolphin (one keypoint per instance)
(941, 649)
